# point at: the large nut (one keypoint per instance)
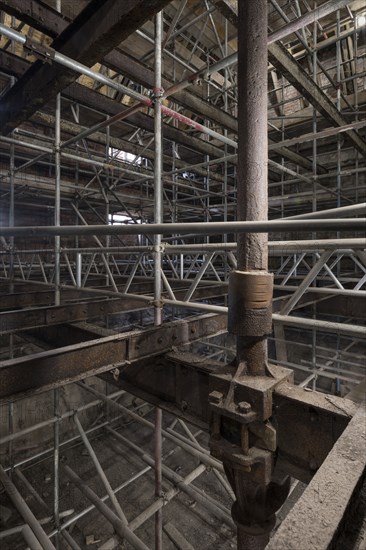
(215, 397)
(244, 407)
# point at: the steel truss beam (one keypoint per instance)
(102, 26)
(56, 367)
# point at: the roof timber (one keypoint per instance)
(102, 27)
(295, 74)
(48, 21)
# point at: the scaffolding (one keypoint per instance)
(151, 137)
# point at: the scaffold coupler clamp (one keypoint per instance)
(42, 52)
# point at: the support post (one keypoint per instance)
(241, 394)
(57, 217)
(158, 309)
(57, 198)
(250, 288)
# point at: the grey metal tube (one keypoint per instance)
(18, 529)
(326, 326)
(303, 245)
(25, 511)
(31, 539)
(252, 192)
(57, 217)
(252, 181)
(56, 455)
(158, 218)
(79, 265)
(184, 228)
(339, 328)
(135, 523)
(71, 521)
(342, 211)
(121, 529)
(162, 501)
(100, 471)
(67, 414)
(83, 69)
(209, 461)
(57, 213)
(72, 543)
(11, 215)
(158, 191)
(195, 493)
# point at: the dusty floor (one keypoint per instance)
(193, 521)
(198, 526)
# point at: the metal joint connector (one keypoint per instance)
(116, 373)
(157, 93)
(42, 52)
(250, 303)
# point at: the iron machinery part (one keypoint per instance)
(241, 393)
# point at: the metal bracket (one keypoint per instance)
(257, 461)
(157, 93)
(245, 398)
(42, 52)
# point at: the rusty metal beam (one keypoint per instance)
(37, 14)
(16, 66)
(31, 297)
(295, 74)
(49, 369)
(309, 422)
(98, 29)
(229, 9)
(136, 71)
(47, 20)
(29, 318)
(12, 321)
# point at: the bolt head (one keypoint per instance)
(313, 465)
(244, 407)
(215, 397)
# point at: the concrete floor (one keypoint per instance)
(197, 525)
(193, 521)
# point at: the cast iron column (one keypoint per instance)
(250, 290)
(245, 405)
